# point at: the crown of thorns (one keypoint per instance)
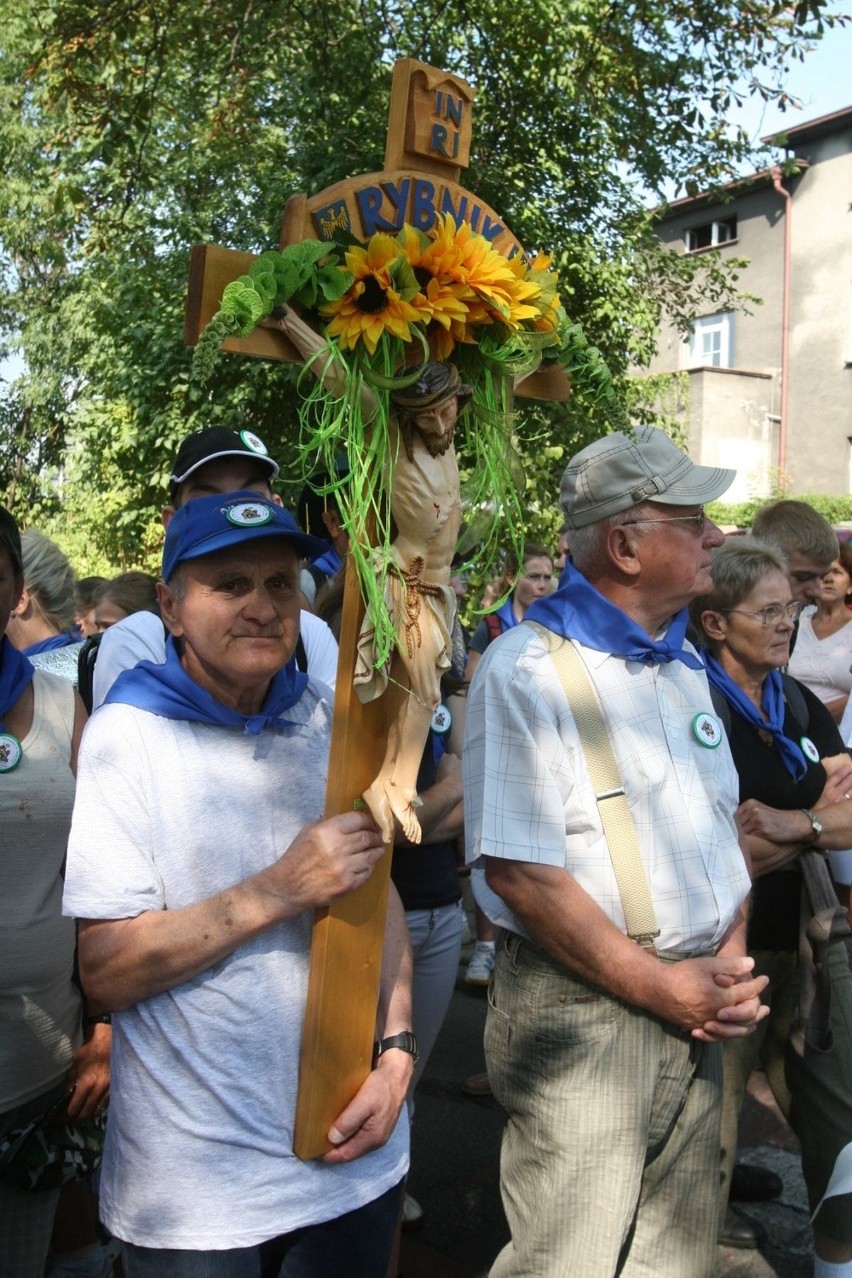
(436, 383)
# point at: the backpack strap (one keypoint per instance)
(495, 626)
(86, 658)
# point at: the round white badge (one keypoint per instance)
(442, 721)
(249, 514)
(707, 730)
(254, 442)
(11, 752)
(809, 750)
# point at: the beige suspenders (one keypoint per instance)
(612, 802)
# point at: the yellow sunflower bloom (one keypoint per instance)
(460, 255)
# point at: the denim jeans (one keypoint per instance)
(357, 1244)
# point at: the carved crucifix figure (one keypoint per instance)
(426, 510)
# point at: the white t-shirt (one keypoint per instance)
(823, 665)
(199, 1143)
(528, 795)
(141, 637)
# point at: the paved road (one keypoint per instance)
(455, 1169)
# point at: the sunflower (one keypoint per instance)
(380, 298)
(547, 303)
(459, 255)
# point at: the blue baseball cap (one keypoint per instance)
(221, 520)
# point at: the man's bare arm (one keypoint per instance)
(123, 961)
(325, 363)
(564, 920)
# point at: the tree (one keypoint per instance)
(133, 128)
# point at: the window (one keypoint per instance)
(710, 235)
(712, 341)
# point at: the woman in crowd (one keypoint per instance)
(128, 593)
(41, 624)
(534, 581)
(823, 654)
(44, 1051)
(84, 604)
(789, 759)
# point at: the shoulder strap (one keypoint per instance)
(795, 699)
(722, 708)
(301, 656)
(86, 658)
(495, 626)
(613, 807)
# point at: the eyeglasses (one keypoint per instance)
(773, 613)
(699, 519)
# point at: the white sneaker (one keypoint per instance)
(412, 1213)
(481, 964)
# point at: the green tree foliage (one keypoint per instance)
(131, 129)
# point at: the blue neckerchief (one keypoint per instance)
(16, 671)
(167, 690)
(578, 611)
(46, 645)
(329, 562)
(507, 615)
(773, 706)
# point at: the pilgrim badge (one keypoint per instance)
(249, 514)
(809, 750)
(10, 752)
(707, 730)
(254, 442)
(442, 721)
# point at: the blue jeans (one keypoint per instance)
(357, 1244)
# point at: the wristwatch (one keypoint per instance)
(816, 825)
(405, 1042)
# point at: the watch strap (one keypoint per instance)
(816, 824)
(405, 1041)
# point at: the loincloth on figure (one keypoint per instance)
(418, 608)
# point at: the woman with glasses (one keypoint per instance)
(790, 758)
(823, 654)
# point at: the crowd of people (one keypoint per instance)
(647, 787)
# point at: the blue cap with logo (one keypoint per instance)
(207, 524)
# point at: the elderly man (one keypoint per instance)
(605, 1054)
(196, 870)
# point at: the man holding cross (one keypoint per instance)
(196, 872)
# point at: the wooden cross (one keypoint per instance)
(428, 144)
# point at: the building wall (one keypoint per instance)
(732, 416)
(820, 377)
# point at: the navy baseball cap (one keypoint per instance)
(216, 522)
(213, 442)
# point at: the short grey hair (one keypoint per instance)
(737, 568)
(588, 544)
(49, 578)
